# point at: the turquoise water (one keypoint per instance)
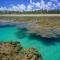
(49, 51)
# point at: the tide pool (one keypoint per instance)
(48, 50)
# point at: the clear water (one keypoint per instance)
(48, 50)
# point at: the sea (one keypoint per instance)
(48, 48)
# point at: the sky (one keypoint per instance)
(29, 5)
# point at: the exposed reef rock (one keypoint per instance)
(14, 51)
(6, 23)
(46, 28)
(20, 25)
(31, 54)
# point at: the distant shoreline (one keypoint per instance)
(29, 15)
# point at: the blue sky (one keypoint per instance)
(29, 5)
(15, 2)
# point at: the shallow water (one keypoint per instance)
(48, 50)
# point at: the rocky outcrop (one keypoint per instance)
(46, 28)
(20, 25)
(5, 23)
(14, 51)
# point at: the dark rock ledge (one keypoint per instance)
(14, 51)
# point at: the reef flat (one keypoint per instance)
(45, 26)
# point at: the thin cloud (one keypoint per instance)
(33, 6)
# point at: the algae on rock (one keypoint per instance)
(14, 51)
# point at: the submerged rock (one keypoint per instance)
(10, 51)
(31, 54)
(14, 51)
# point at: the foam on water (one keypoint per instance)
(49, 51)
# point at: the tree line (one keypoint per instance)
(32, 12)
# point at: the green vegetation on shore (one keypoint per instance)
(32, 12)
